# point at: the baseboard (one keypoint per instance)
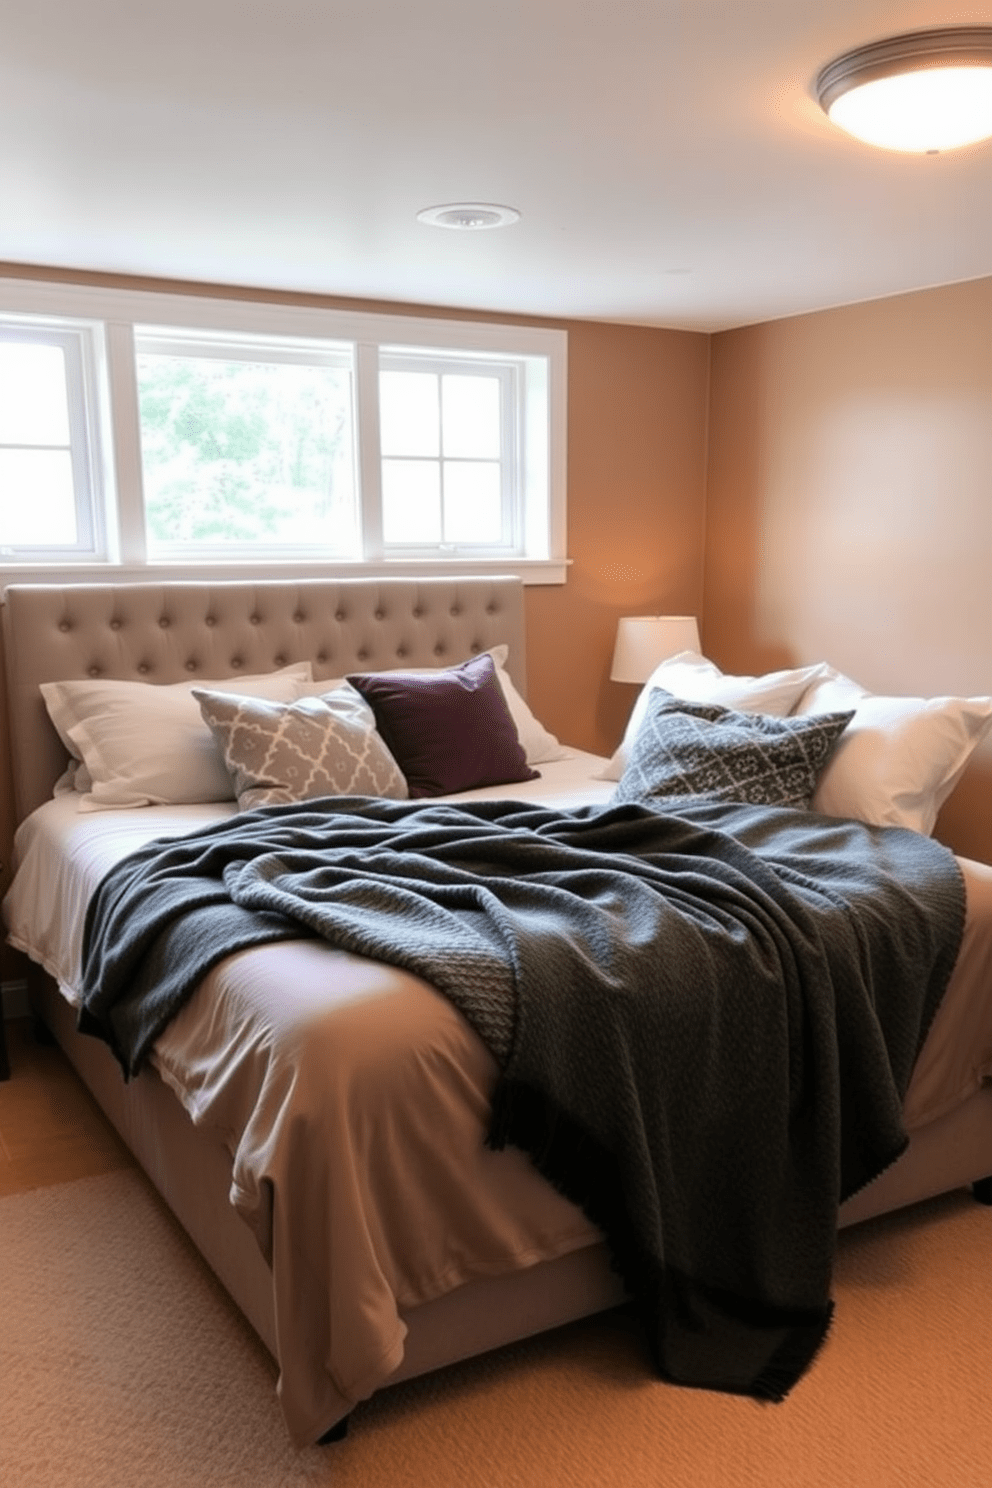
(15, 999)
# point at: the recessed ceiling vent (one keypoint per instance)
(468, 216)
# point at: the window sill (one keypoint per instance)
(547, 571)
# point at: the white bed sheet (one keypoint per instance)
(61, 854)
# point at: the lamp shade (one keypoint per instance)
(645, 640)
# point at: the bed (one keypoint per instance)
(212, 1114)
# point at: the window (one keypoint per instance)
(246, 446)
(182, 432)
(450, 480)
(48, 481)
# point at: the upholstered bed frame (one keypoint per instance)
(168, 632)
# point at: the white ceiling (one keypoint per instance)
(667, 157)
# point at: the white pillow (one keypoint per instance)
(146, 745)
(832, 692)
(695, 679)
(900, 757)
(538, 744)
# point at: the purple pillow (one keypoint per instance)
(448, 730)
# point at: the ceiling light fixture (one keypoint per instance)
(924, 92)
(468, 216)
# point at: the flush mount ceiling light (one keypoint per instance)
(468, 216)
(924, 92)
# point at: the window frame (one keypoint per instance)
(81, 346)
(509, 374)
(298, 351)
(113, 315)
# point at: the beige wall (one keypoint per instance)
(850, 504)
(636, 472)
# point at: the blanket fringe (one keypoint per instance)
(664, 1300)
(791, 1359)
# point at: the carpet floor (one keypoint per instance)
(122, 1362)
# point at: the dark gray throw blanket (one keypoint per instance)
(705, 1020)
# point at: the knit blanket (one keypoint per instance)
(705, 1019)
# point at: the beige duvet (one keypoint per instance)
(354, 1101)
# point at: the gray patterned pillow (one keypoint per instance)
(703, 749)
(315, 746)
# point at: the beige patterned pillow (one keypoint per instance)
(315, 746)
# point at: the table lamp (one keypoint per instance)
(645, 640)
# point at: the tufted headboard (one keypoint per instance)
(170, 632)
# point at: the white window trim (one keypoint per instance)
(299, 351)
(512, 466)
(82, 345)
(120, 453)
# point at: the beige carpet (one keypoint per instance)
(122, 1363)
